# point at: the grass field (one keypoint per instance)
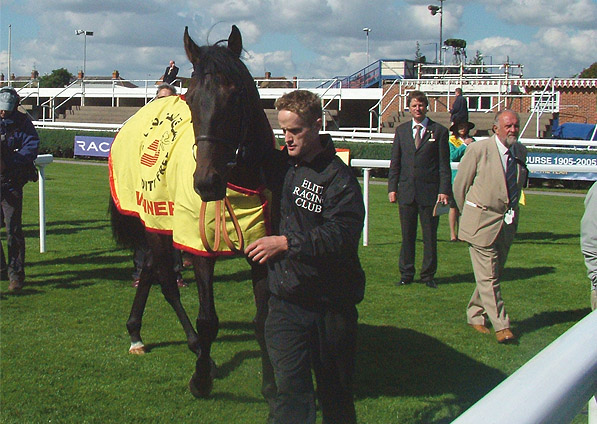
(64, 343)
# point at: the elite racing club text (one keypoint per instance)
(308, 196)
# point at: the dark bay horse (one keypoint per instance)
(231, 133)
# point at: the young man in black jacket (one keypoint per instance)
(314, 272)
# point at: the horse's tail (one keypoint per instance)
(127, 231)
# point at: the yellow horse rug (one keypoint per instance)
(151, 167)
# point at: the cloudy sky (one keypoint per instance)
(303, 38)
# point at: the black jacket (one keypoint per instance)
(322, 215)
(419, 175)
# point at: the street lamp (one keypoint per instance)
(85, 34)
(434, 10)
(367, 31)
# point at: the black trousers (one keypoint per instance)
(12, 212)
(408, 223)
(299, 340)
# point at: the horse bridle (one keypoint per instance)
(244, 129)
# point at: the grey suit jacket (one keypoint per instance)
(419, 175)
(481, 193)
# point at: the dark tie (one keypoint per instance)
(417, 136)
(513, 192)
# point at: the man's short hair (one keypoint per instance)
(496, 120)
(458, 91)
(166, 86)
(417, 95)
(306, 104)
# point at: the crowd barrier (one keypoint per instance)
(368, 164)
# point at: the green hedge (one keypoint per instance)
(60, 143)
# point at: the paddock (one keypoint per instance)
(64, 343)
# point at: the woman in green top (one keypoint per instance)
(458, 141)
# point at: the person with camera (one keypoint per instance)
(20, 144)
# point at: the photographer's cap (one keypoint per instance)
(8, 98)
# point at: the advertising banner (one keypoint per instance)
(92, 146)
(563, 159)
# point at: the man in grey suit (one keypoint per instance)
(418, 179)
(487, 188)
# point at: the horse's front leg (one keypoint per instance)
(163, 266)
(261, 295)
(208, 325)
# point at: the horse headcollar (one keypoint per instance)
(239, 145)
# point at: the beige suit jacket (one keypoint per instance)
(481, 193)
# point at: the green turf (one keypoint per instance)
(64, 343)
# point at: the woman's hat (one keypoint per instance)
(8, 98)
(454, 127)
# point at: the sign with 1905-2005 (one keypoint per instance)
(571, 159)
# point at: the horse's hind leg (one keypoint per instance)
(163, 267)
(207, 326)
(134, 322)
(261, 294)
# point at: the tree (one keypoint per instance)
(58, 78)
(477, 59)
(590, 72)
(418, 57)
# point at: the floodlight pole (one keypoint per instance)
(85, 34)
(367, 31)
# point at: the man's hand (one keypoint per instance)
(443, 198)
(392, 196)
(266, 248)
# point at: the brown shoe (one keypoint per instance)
(15, 285)
(480, 328)
(504, 336)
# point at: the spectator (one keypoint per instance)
(588, 240)
(20, 144)
(165, 90)
(487, 188)
(459, 111)
(459, 139)
(170, 73)
(418, 179)
(314, 272)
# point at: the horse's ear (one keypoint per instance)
(235, 41)
(190, 47)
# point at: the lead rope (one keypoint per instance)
(220, 227)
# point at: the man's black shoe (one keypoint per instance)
(431, 284)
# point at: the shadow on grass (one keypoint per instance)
(549, 318)
(67, 227)
(509, 274)
(543, 236)
(402, 362)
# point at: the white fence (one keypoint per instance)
(368, 164)
(550, 388)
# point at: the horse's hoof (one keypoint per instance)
(200, 387)
(137, 348)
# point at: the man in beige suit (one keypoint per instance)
(487, 189)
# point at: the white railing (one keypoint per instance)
(368, 164)
(41, 162)
(550, 388)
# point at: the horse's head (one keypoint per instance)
(221, 95)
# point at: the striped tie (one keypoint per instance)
(417, 135)
(513, 192)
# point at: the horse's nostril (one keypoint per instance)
(211, 187)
